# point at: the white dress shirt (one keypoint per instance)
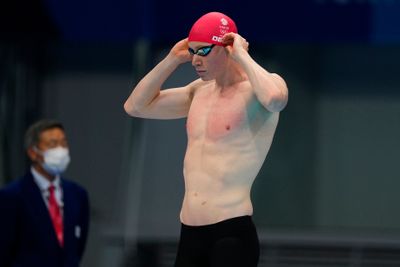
(44, 185)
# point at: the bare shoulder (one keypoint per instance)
(244, 87)
(198, 84)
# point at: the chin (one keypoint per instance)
(206, 79)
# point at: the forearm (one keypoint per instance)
(150, 85)
(269, 88)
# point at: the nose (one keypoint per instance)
(196, 61)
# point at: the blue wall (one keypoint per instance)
(261, 21)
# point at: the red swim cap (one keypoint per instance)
(211, 27)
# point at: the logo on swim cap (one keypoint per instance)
(224, 22)
(217, 39)
(211, 27)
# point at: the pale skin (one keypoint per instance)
(232, 112)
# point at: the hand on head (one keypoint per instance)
(235, 44)
(180, 51)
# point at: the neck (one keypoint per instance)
(40, 170)
(231, 74)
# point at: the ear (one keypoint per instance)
(33, 155)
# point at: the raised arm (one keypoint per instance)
(270, 88)
(147, 100)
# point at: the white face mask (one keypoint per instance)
(56, 160)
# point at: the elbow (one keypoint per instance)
(283, 100)
(279, 105)
(277, 102)
(276, 106)
(130, 109)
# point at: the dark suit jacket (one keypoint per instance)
(27, 236)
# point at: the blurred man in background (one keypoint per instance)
(44, 217)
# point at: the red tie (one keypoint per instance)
(55, 215)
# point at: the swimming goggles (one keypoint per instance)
(202, 51)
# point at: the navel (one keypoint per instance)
(227, 127)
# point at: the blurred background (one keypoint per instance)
(328, 193)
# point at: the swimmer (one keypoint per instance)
(232, 112)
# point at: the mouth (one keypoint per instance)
(200, 72)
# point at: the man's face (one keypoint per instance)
(50, 138)
(210, 65)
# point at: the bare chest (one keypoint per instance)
(216, 116)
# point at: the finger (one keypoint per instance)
(229, 35)
(228, 38)
(229, 49)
